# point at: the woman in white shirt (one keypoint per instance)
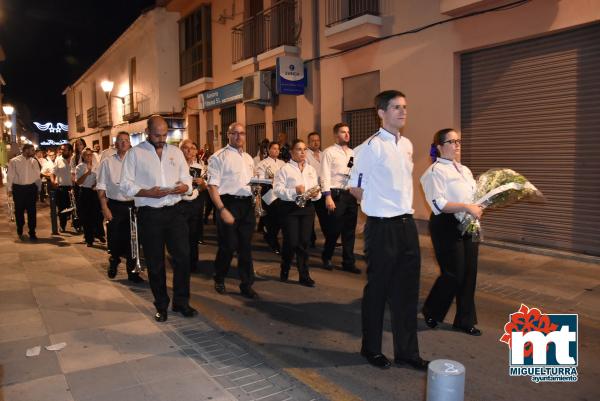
(449, 189)
(294, 179)
(89, 204)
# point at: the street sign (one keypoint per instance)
(218, 97)
(291, 76)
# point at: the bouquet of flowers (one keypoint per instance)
(497, 187)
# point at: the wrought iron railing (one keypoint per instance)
(92, 117)
(103, 117)
(255, 133)
(270, 28)
(135, 105)
(79, 123)
(338, 11)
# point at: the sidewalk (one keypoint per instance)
(56, 291)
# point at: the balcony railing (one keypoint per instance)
(104, 117)
(79, 123)
(267, 30)
(92, 117)
(135, 105)
(338, 11)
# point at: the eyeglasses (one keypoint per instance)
(453, 142)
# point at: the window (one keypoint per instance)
(195, 52)
(359, 111)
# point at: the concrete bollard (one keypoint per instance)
(445, 381)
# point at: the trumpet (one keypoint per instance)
(11, 208)
(269, 174)
(135, 244)
(307, 195)
(257, 200)
(72, 209)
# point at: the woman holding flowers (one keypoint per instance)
(449, 189)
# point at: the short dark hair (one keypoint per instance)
(336, 128)
(313, 133)
(273, 143)
(382, 100)
(67, 146)
(296, 141)
(26, 146)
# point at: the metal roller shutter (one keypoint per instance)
(534, 106)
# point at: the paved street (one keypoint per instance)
(295, 343)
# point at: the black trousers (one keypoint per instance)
(273, 222)
(90, 213)
(236, 238)
(457, 257)
(297, 228)
(119, 230)
(158, 227)
(193, 214)
(203, 197)
(393, 270)
(342, 222)
(25, 197)
(63, 201)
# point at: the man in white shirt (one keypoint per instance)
(157, 175)
(382, 180)
(341, 206)
(116, 209)
(230, 170)
(23, 179)
(62, 180)
(313, 158)
(268, 168)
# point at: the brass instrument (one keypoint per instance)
(269, 174)
(11, 208)
(307, 195)
(256, 187)
(72, 209)
(135, 244)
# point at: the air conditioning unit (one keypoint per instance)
(256, 87)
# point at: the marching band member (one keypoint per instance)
(341, 206)
(268, 168)
(115, 208)
(63, 180)
(314, 155)
(230, 170)
(23, 180)
(295, 179)
(89, 205)
(194, 204)
(382, 178)
(157, 175)
(449, 188)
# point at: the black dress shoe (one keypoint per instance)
(33, 237)
(185, 310)
(351, 269)
(429, 321)
(472, 331)
(220, 288)
(283, 276)
(161, 315)
(248, 292)
(377, 360)
(307, 281)
(112, 267)
(101, 239)
(327, 265)
(417, 363)
(89, 244)
(135, 278)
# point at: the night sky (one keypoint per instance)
(50, 43)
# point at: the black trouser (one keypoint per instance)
(342, 221)
(90, 213)
(236, 237)
(119, 231)
(203, 196)
(321, 212)
(63, 201)
(457, 257)
(193, 214)
(393, 269)
(297, 225)
(158, 227)
(25, 197)
(273, 221)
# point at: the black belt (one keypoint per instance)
(339, 190)
(23, 185)
(393, 218)
(228, 196)
(118, 202)
(157, 208)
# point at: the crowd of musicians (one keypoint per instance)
(156, 195)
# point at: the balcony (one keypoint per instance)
(92, 117)
(104, 117)
(79, 123)
(351, 23)
(135, 105)
(273, 28)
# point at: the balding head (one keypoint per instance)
(237, 135)
(157, 131)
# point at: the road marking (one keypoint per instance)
(320, 384)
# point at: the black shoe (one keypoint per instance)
(63, 230)
(472, 331)
(161, 315)
(248, 292)
(21, 237)
(185, 310)
(101, 239)
(417, 363)
(283, 276)
(89, 244)
(112, 267)
(135, 278)
(377, 360)
(307, 281)
(429, 321)
(33, 237)
(351, 269)
(327, 265)
(220, 288)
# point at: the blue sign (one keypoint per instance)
(291, 76)
(213, 98)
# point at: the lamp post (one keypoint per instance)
(107, 87)
(8, 111)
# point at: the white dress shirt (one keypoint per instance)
(334, 167)
(290, 176)
(384, 169)
(314, 159)
(90, 180)
(109, 174)
(274, 164)
(447, 181)
(231, 170)
(47, 167)
(62, 171)
(143, 169)
(107, 153)
(23, 171)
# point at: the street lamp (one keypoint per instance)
(8, 124)
(8, 109)
(107, 87)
